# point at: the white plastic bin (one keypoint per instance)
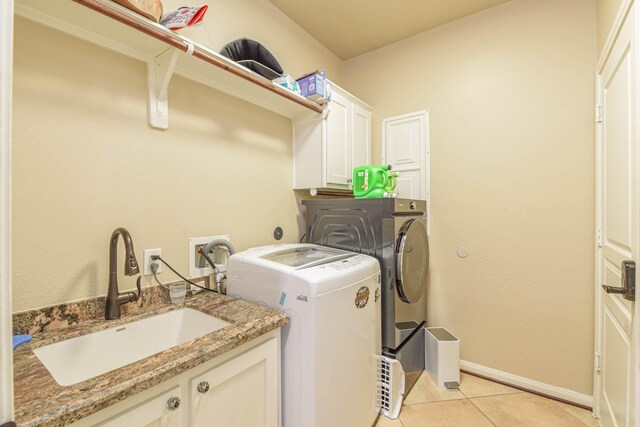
(442, 357)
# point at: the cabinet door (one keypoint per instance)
(338, 142)
(161, 411)
(308, 137)
(361, 136)
(239, 393)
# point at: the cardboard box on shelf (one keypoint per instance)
(315, 87)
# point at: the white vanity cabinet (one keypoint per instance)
(164, 410)
(237, 389)
(326, 149)
(241, 392)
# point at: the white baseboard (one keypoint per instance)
(526, 383)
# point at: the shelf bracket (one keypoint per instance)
(159, 72)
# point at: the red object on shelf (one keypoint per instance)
(184, 17)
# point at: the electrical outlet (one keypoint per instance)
(196, 243)
(147, 261)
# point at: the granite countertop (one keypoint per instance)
(40, 401)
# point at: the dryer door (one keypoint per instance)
(412, 261)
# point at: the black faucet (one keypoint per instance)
(114, 298)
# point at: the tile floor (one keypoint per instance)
(481, 403)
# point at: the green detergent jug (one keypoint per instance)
(391, 185)
(373, 181)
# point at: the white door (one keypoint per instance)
(405, 146)
(618, 229)
(6, 350)
(338, 143)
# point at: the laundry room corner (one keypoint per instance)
(512, 172)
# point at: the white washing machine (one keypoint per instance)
(331, 345)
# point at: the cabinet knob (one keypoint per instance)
(203, 387)
(173, 403)
(349, 180)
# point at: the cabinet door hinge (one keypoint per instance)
(599, 113)
(597, 362)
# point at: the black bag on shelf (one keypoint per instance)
(254, 56)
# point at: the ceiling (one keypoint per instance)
(352, 27)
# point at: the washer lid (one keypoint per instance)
(298, 270)
(306, 256)
(412, 261)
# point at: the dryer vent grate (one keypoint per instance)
(384, 401)
(390, 387)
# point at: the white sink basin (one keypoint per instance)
(78, 359)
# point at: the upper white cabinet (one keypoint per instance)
(338, 141)
(361, 135)
(326, 149)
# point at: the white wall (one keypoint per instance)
(86, 161)
(510, 92)
(606, 13)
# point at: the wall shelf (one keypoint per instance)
(114, 27)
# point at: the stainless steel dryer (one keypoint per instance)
(393, 231)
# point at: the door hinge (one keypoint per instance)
(599, 238)
(597, 362)
(599, 113)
